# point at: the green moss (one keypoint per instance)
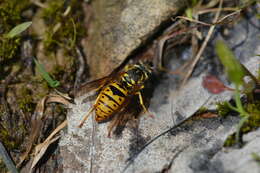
(8, 48)
(253, 121)
(26, 101)
(53, 12)
(223, 109)
(63, 30)
(251, 124)
(230, 141)
(10, 15)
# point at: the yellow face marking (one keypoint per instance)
(129, 84)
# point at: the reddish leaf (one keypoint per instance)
(214, 85)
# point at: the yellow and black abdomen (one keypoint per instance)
(109, 101)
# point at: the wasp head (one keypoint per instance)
(137, 74)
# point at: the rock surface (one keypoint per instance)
(166, 142)
(119, 27)
(193, 143)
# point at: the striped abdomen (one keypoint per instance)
(109, 101)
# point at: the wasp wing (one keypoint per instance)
(92, 85)
(98, 83)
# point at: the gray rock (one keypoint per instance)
(120, 27)
(165, 142)
(91, 149)
(240, 160)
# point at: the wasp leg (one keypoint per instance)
(111, 126)
(86, 117)
(142, 104)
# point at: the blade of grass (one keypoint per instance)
(239, 126)
(236, 73)
(18, 29)
(45, 75)
(232, 66)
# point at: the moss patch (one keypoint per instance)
(251, 124)
(10, 15)
(65, 25)
(223, 109)
(26, 103)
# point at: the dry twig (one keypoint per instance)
(204, 44)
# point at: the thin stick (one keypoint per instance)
(216, 9)
(194, 21)
(204, 44)
(224, 18)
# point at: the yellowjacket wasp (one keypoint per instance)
(116, 91)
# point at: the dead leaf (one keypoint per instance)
(41, 148)
(38, 120)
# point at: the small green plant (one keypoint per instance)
(223, 108)
(9, 43)
(46, 76)
(235, 72)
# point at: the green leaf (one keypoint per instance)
(45, 75)
(18, 29)
(189, 12)
(232, 66)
